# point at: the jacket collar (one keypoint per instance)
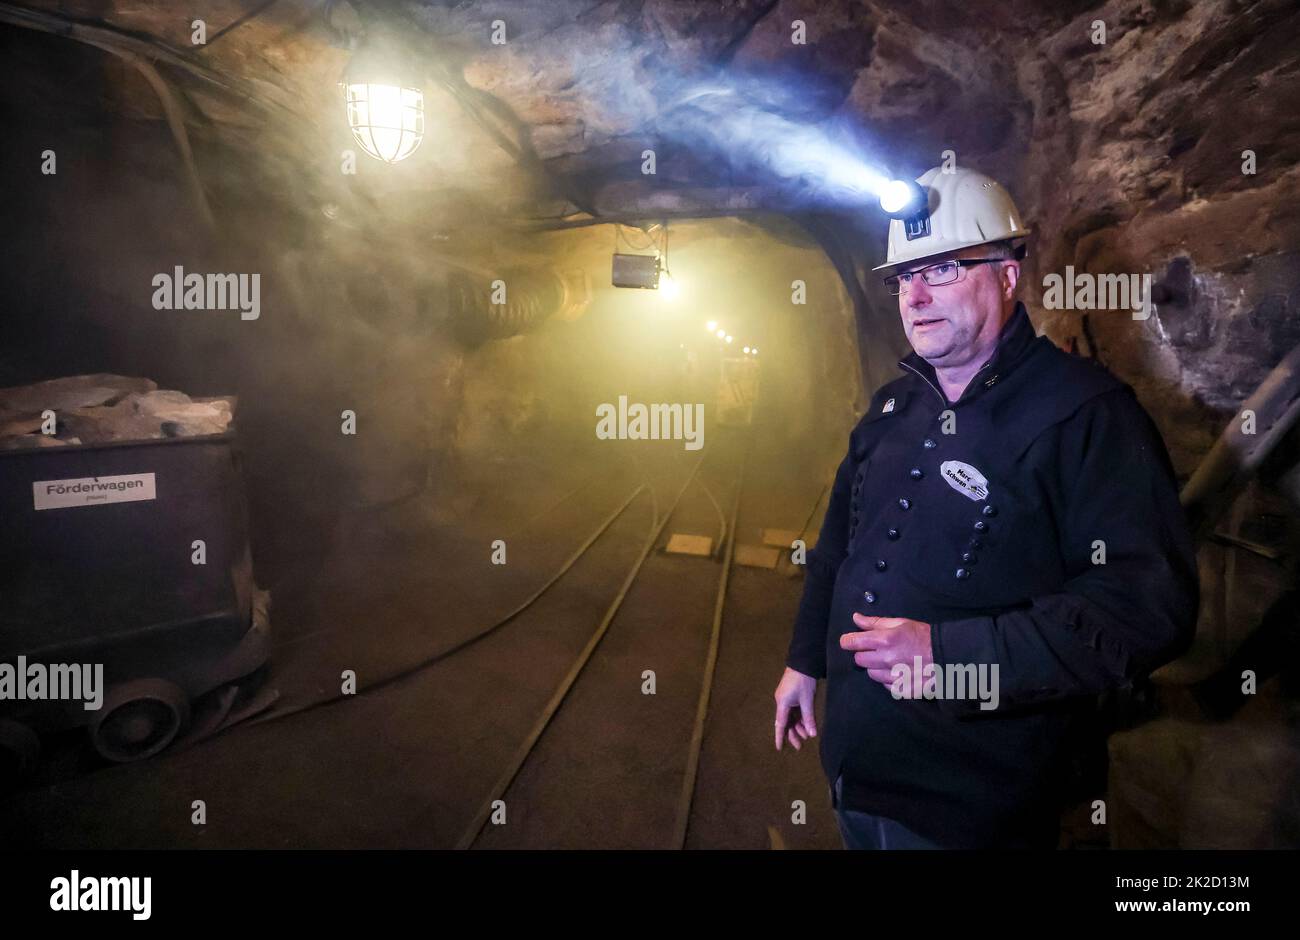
(1014, 340)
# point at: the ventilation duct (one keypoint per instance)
(530, 297)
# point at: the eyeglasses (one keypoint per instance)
(935, 275)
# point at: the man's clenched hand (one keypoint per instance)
(881, 642)
(794, 708)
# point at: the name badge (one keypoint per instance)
(965, 479)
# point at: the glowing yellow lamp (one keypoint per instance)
(385, 103)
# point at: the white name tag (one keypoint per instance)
(92, 491)
(965, 479)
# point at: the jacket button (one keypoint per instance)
(893, 534)
(904, 503)
(989, 511)
(880, 565)
(981, 526)
(929, 444)
(968, 557)
(962, 574)
(976, 543)
(869, 597)
(915, 473)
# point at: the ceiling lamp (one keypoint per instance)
(385, 102)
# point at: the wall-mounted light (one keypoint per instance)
(385, 101)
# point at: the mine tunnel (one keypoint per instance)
(440, 425)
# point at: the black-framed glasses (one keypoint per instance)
(935, 275)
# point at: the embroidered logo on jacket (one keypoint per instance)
(965, 479)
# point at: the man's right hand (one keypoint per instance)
(794, 708)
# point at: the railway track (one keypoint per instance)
(618, 679)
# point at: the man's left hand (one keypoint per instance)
(882, 642)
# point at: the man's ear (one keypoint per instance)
(1009, 275)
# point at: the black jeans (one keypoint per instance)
(867, 831)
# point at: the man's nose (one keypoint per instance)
(918, 292)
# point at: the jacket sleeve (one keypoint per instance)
(1112, 622)
(807, 653)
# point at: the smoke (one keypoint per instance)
(764, 130)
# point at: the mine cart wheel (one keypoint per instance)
(139, 719)
(20, 749)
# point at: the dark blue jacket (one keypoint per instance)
(991, 534)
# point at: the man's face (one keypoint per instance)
(956, 323)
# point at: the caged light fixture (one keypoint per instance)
(385, 101)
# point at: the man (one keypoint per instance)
(1003, 542)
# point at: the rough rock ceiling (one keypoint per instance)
(556, 118)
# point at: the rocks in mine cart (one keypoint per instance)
(97, 409)
(178, 415)
(151, 415)
(76, 391)
(27, 441)
(30, 425)
(120, 422)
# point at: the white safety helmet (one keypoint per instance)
(963, 208)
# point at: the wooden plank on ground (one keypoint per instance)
(779, 538)
(679, 543)
(757, 556)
